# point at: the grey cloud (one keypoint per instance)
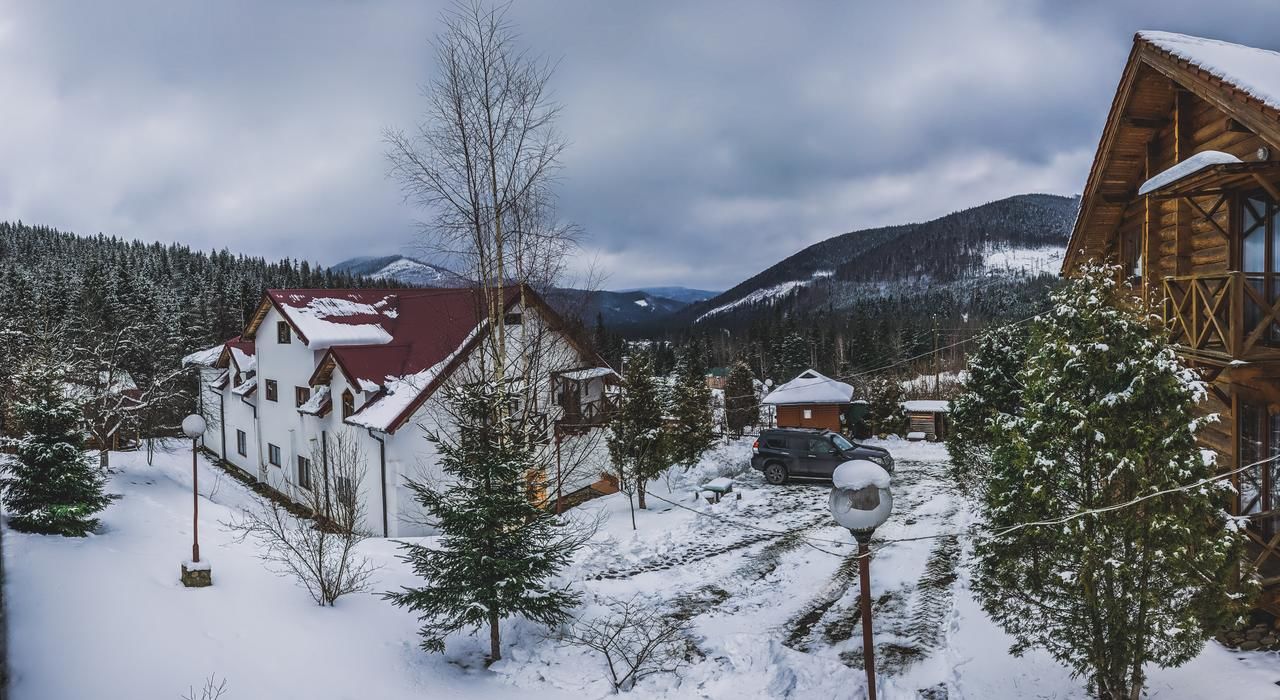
(708, 139)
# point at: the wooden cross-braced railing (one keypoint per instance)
(1229, 315)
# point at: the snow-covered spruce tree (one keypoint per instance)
(639, 445)
(499, 551)
(990, 393)
(741, 405)
(691, 408)
(1107, 417)
(885, 398)
(49, 486)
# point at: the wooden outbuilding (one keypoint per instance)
(928, 417)
(1184, 193)
(811, 400)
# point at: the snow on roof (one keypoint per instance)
(1254, 71)
(203, 358)
(314, 405)
(246, 387)
(400, 392)
(927, 406)
(588, 373)
(810, 387)
(1190, 166)
(326, 321)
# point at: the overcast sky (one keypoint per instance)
(708, 140)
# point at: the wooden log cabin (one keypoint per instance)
(811, 400)
(1184, 193)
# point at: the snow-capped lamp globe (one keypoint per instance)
(860, 499)
(195, 573)
(860, 502)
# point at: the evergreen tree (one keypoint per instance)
(691, 408)
(1108, 416)
(638, 442)
(741, 405)
(989, 395)
(885, 411)
(49, 486)
(792, 355)
(499, 551)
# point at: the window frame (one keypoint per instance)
(273, 455)
(348, 404)
(303, 472)
(271, 389)
(284, 333)
(242, 443)
(301, 395)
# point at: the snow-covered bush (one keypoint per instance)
(636, 637)
(318, 552)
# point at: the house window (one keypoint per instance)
(304, 472)
(273, 454)
(808, 413)
(284, 334)
(1132, 252)
(512, 319)
(242, 443)
(346, 494)
(301, 394)
(271, 390)
(348, 404)
(1259, 256)
(239, 381)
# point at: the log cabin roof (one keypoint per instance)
(1240, 81)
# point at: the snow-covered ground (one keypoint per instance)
(765, 579)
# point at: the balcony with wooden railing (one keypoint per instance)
(1225, 316)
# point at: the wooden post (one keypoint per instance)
(868, 645)
(1181, 151)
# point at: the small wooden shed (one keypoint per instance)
(811, 400)
(928, 417)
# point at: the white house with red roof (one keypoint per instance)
(312, 362)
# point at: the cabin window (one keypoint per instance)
(346, 494)
(808, 413)
(284, 334)
(512, 319)
(348, 404)
(273, 454)
(301, 395)
(304, 472)
(1133, 256)
(242, 443)
(1259, 257)
(1259, 439)
(271, 390)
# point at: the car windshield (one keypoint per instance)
(841, 442)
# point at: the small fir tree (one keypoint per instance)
(49, 486)
(499, 551)
(990, 395)
(741, 405)
(792, 354)
(1108, 416)
(639, 444)
(691, 408)
(885, 405)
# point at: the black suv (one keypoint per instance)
(782, 453)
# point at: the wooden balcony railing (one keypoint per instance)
(590, 413)
(1229, 315)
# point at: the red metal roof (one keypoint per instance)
(425, 326)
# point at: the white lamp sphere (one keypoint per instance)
(193, 426)
(861, 500)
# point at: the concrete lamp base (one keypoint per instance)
(197, 574)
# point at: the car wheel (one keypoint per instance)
(775, 473)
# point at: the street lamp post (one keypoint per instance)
(861, 501)
(195, 574)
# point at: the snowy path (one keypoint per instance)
(768, 582)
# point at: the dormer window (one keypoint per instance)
(348, 404)
(513, 319)
(284, 334)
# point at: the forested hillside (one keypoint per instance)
(140, 307)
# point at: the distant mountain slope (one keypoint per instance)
(403, 269)
(1024, 235)
(619, 309)
(681, 294)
